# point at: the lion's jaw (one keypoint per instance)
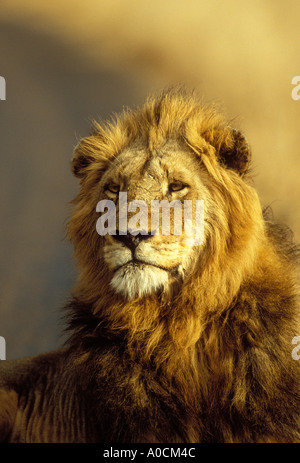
(137, 280)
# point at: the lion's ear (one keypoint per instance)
(87, 152)
(234, 152)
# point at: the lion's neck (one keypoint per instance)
(161, 336)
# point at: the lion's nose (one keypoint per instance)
(131, 240)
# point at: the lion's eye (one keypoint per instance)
(113, 188)
(176, 186)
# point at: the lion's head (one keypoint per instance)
(175, 149)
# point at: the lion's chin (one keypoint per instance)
(135, 281)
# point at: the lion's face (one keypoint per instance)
(141, 264)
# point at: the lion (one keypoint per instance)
(169, 342)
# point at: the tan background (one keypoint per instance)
(68, 61)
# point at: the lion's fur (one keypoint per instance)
(207, 359)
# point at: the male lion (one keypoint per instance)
(168, 342)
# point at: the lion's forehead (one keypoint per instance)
(138, 168)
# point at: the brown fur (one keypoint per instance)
(209, 359)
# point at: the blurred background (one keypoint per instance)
(66, 62)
